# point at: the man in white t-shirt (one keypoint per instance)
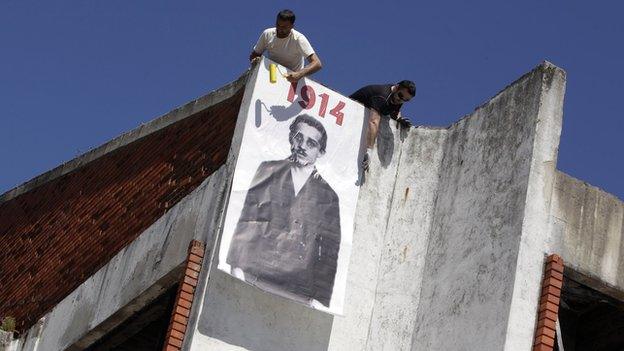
(287, 47)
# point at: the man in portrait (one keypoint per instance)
(288, 236)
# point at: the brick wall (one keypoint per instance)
(184, 299)
(545, 334)
(58, 234)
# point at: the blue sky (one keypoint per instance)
(75, 74)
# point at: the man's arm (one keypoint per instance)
(403, 121)
(258, 49)
(254, 55)
(373, 128)
(313, 66)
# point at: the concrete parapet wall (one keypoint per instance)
(587, 230)
(390, 241)
(473, 253)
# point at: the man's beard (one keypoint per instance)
(393, 97)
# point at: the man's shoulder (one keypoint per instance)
(373, 89)
(269, 32)
(378, 87)
(297, 34)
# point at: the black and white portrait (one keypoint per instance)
(288, 234)
(289, 220)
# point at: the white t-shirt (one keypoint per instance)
(289, 52)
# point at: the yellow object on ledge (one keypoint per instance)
(272, 73)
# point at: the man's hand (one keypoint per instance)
(255, 60)
(314, 65)
(366, 162)
(254, 57)
(403, 122)
(294, 76)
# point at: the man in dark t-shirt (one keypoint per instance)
(384, 99)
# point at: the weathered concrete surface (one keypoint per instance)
(587, 230)
(472, 257)
(531, 253)
(393, 220)
(372, 209)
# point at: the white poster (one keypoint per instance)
(289, 222)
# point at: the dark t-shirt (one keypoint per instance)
(376, 97)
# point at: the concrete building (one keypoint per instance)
(466, 238)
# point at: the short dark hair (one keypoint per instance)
(409, 85)
(286, 15)
(312, 122)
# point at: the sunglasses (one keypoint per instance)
(403, 97)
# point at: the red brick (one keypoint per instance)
(549, 306)
(554, 266)
(552, 290)
(552, 281)
(186, 296)
(198, 250)
(542, 347)
(191, 273)
(554, 274)
(180, 319)
(194, 266)
(188, 288)
(554, 258)
(176, 334)
(545, 322)
(550, 298)
(548, 314)
(543, 339)
(190, 281)
(178, 326)
(546, 331)
(171, 348)
(174, 342)
(184, 304)
(183, 311)
(195, 259)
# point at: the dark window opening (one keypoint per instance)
(589, 319)
(144, 331)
